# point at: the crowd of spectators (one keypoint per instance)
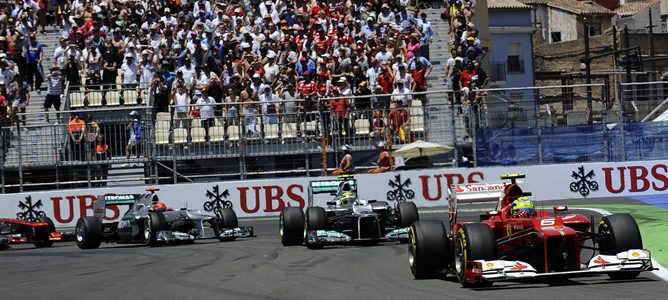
(257, 56)
(464, 73)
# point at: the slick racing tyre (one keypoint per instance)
(315, 219)
(472, 242)
(428, 248)
(407, 213)
(227, 219)
(619, 233)
(44, 240)
(88, 233)
(153, 224)
(292, 226)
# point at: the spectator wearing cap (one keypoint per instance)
(205, 106)
(59, 53)
(270, 108)
(386, 16)
(340, 107)
(34, 56)
(135, 136)
(129, 74)
(188, 71)
(363, 103)
(92, 132)
(419, 73)
(167, 17)
(76, 129)
(271, 69)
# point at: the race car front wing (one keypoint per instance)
(239, 232)
(335, 237)
(634, 260)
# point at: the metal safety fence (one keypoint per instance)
(222, 140)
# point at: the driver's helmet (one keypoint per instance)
(347, 198)
(522, 207)
(159, 206)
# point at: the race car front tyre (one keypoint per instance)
(407, 213)
(154, 223)
(315, 219)
(227, 220)
(88, 233)
(618, 233)
(473, 241)
(44, 240)
(292, 226)
(428, 248)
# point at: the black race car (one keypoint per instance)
(148, 221)
(347, 219)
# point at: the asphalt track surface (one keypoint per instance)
(261, 268)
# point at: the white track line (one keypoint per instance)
(661, 272)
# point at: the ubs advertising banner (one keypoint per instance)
(255, 198)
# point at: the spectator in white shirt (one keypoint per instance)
(129, 71)
(269, 106)
(401, 93)
(205, 105)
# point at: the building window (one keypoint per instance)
(556, 36)
(594, 29)
(514, 59)
(498, 71)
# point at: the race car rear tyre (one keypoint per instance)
(292, 226)
(314, 219)
(407, 213)
(227, 220)
(45, 242)
(154, 223)
(88, 233)
(619, 233)
(472, 242)
(428, 248)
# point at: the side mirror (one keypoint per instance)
(371, 201)
(331, 203)
(559, 208)
(492, 213)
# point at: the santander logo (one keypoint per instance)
(518, 267)
(599, 260)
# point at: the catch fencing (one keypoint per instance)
(287, 138)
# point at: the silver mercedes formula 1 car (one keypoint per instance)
(345, 220)
(150, 222)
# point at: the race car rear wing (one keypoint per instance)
(329, 186)
(479, 193)
(124, 199)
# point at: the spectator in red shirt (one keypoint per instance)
(398, 121)
(340, 110)
(465, 79)
(386, 81)
(419, 80)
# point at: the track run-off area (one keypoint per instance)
(262, 268)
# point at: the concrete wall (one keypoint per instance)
(499, 54)
(564, 22)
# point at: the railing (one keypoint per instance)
(510, 126)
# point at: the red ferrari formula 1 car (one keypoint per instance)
(41, 233)
(508, 246)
